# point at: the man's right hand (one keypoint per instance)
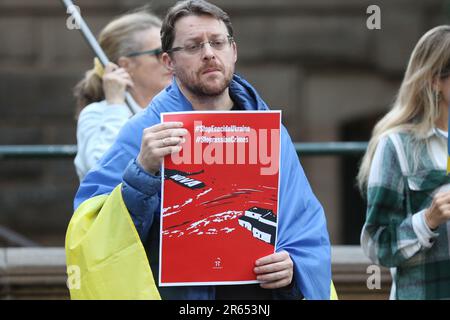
(159, 141)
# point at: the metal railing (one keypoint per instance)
(37, 151)
(17, 152)
(69, 151)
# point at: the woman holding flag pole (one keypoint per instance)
(404, 175)
(132, 44)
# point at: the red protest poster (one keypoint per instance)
(219, 199)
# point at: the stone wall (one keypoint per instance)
(315, 60)
(33, 273)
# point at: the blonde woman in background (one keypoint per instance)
(133, 45)
(404, 175)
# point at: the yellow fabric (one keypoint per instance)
(98, 68)
(103, 244)
(448, 165)
(333, 293)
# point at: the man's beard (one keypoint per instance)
(199, 89)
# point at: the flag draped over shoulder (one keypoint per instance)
(102, 242)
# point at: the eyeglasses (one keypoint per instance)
(194, 48)
(154, 52)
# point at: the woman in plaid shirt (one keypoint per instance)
(404, 175)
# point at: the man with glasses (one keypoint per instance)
(199, 48)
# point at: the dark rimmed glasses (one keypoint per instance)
(196, 47)
(155, 52)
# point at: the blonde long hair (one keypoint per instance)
(117, 39)
(416, 107)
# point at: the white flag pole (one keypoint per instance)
(73, 10)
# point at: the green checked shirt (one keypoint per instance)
(403, 179)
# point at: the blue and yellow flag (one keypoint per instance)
(103, 244)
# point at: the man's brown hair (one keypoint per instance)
(190, 8)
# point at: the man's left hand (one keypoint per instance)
(275, 270)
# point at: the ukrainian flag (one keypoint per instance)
(103, 244)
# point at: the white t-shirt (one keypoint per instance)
(444, 133)
(97, 129)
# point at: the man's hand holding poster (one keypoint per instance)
(219, 202)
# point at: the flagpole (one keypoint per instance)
(98, 51)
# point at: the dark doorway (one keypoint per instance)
(353, 204)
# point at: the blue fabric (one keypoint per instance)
(141, 193)
(302, 230)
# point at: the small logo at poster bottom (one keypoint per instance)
(218, 264)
